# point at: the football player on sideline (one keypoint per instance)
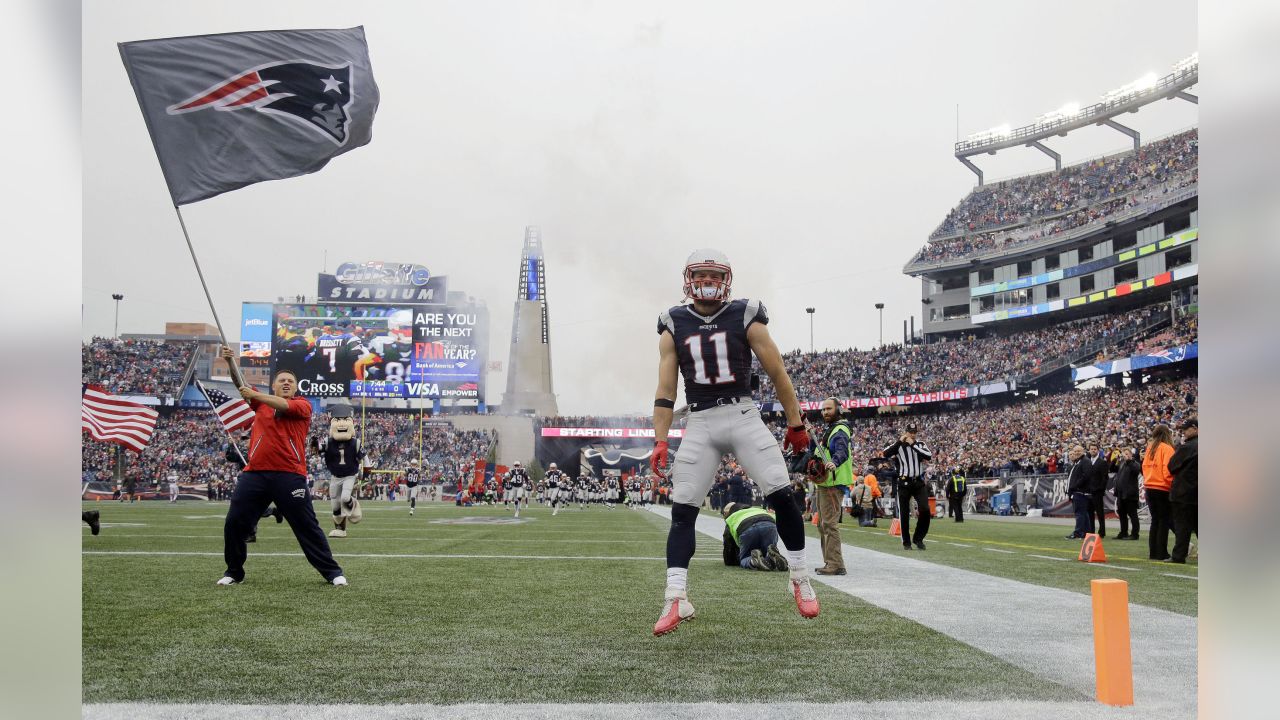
(710, 342)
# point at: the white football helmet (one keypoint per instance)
(553, 466)
(516, 464)
(708, 290)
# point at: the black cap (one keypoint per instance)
(1190, 423)
(341, 411)
(911, 428)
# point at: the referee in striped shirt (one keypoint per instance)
(910, 457)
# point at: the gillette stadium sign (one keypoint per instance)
(381, 282)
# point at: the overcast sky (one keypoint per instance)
(811, 142)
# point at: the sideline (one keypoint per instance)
(1046, 631)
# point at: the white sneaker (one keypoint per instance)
(337, 533)
(227, 580)
(339, 581)
(410, 511)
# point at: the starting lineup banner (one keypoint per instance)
(623, 433)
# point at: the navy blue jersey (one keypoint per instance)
(517, 478)
(411, 477)
(554, 478)
(342, 457)
(714, 356)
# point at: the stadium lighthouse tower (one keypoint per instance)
(529, 386)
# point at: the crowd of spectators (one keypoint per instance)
(1027, 209)
(136, 367)
(971, 360)
(193, 444)
(1032, 435)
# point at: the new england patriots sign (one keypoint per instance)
(226, 111)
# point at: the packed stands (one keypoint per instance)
(1027, 209)
(895, 369)
(1033, 435)
(136, 367)
(192, 444)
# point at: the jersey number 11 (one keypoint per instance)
(720, 344)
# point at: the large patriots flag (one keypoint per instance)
(233, 412)
(226, 111)
(112, 419)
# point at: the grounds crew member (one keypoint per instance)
(833, 452)
(910, 457)
(956, 489)
(750, 539)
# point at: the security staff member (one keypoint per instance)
(910, 457)
(751, 539)
(833, 452)
(956, 489)
(1078, 484)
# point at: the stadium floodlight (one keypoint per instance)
(1146, 82)
(1063, 113)
(1186, 63)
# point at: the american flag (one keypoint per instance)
(111, 419)
(233, 412)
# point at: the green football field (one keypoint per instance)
(450, 607)
(1036, 552)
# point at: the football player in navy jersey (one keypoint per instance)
(515, 481)
(710, 341)
(412, 476)
(558, 489)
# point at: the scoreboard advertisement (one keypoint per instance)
(380, 330)
(377, 351)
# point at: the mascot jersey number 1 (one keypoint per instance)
(343, 456)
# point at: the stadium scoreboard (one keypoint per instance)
(426, 347)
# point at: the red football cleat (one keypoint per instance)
(806, 599)
(676, 609)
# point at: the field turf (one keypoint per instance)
(1020, 549)
(447, 613)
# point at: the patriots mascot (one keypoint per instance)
(343, 456)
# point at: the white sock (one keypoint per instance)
(678, 579)
(795, 558)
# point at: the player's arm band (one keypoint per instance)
(664, 403)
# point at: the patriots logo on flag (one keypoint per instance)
(468, 386)
(316, 96)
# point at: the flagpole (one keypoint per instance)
(235, 371)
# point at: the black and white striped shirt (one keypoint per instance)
(909, 458)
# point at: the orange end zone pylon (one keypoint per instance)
(1111, 647)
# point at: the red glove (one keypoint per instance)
(660, 458)
(796, 440)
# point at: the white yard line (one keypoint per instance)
(959, 544)
(1007, 552)
(1163, 643)
(1049, 557)
(1185, 577)
(885, 710)
(423, 556)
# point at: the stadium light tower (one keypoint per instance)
(810, 311)
(880, 307)
(117, 297)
